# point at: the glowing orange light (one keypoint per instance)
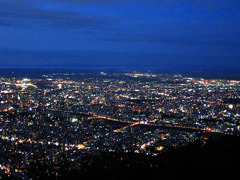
(160, 148)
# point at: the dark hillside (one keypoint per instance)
(217, 159)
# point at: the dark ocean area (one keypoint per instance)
(207, 73)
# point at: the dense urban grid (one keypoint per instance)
(62, 120)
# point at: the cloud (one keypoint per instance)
(116, 60)
(23, 14)
(13, 57)
(100, 2)
(27, 12)
(177, 40)
(209, 4)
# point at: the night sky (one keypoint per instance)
(164, 34)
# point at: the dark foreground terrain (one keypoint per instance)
(218, 158)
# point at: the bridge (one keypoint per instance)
(142, 123)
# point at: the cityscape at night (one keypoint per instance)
(119, 89)
(62, 120)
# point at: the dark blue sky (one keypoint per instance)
(195, 34)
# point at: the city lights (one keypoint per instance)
(67, 119)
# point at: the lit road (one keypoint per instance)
(194, 129)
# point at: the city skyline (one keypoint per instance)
(57, 124)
